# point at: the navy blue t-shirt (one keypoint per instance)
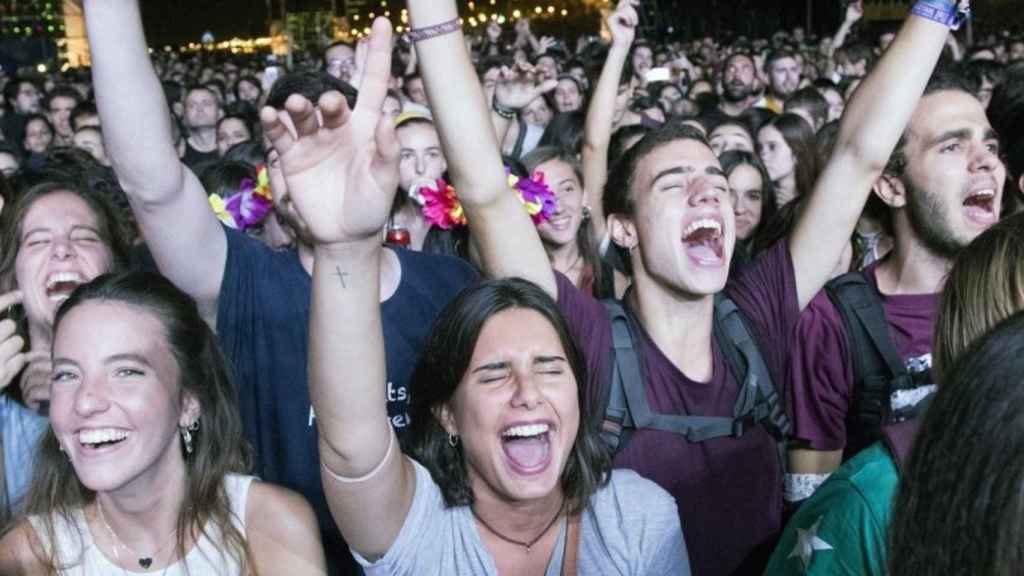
(263, 325)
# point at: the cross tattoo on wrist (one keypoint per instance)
(341, 276)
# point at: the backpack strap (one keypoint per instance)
(758, 400)
(876, 363)
(617, 422)
(625, 399)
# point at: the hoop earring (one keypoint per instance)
(453, 440)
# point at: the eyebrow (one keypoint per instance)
(124, 357)
(74, 228)
(505, 365)
(710, 170)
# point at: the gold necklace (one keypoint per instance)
(144, 561)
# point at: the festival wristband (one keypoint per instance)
(428, 32)
(951, 15)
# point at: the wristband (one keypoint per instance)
(419, 34)
(943, 12)
(506, 113)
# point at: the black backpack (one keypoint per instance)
(625, 398)
(878, 370)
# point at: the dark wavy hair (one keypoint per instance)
(960, 505)
(444, 361)
(219, 447)
(799, 136)
(732, 160)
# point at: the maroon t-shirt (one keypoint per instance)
(728, 490)
(821, 373)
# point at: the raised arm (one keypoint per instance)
(854, 12)
(597, 133)
(499, 226)
(341, 167)
(184, 236)
(871, 127)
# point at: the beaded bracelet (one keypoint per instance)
(428, 32)
(504, 112)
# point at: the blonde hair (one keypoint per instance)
(984, 287)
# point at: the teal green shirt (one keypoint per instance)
(841, 529)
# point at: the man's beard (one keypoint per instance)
(929, 222)
(735, 93)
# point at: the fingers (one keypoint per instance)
(545, 87)
(10, 299)
(362, 50)
(334, 109)
(303, 115)
(275, 130)
(377, 71)
(385, 163)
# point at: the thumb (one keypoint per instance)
(545, 87)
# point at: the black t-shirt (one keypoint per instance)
(194, 158)
(262, 325)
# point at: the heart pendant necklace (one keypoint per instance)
(144, 561)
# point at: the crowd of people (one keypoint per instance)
(447, 303)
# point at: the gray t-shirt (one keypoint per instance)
(631, 527)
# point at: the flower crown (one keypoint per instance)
(442, 208)
(249, 206)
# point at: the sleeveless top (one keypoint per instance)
(78, 556)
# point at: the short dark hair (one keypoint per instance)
(61, 91)
(446, 357)
(87, 108)
(943, 79)
(776, 55)
(312, 85)
(618, 190)
(13, 86)
(959, 508)
(1006, 113)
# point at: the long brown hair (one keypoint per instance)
(111, 233)
(984, 287)
(219, 448)
(585, 233)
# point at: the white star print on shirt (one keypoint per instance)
(807, 543)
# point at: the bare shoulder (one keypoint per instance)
(269, 505)
(19, 547)
(282, 531)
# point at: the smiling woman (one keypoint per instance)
(143, 466)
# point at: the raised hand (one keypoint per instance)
(517, 87)
(35, 382)
(12, 355)
(545, 43)
(341, 165)
(854, 11)
(623, 22)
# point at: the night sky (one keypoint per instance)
(180, 21)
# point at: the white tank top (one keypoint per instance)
(80, 557)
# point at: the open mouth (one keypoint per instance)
(980, 206)
(100, 439)
(527, 447)
(60, 285)
(704, 241)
